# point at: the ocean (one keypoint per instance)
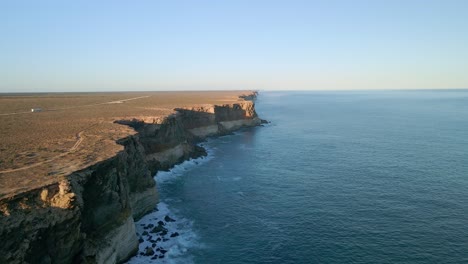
(336, 177)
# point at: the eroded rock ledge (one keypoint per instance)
(88, 216)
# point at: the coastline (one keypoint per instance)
(163, 233)
(90, 214)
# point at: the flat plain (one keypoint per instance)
(72, 131)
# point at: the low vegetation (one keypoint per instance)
(73, 131)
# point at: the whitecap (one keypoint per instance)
(180, 169)
(176, 248)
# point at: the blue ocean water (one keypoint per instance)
(337, 177)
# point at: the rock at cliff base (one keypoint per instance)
(168, 219)
(159, 229)
(175, 234)
(149, 251)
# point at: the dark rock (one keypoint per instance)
(198, 152)
(174, 234)
(161, 223)
(159, 229)
(165, 239)
(154, 257)
(145, 233)
(163, 251)
(168, 219)
(153, 245)
(161, 256)
(149, 251)
(140, 240)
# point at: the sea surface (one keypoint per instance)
(337, 177)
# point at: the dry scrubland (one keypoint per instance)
(77, 130)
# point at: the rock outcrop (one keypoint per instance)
(88, 216)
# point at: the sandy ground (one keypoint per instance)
(76, 130)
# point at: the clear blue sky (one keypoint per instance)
(169, 45)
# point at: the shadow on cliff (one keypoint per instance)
(175, 138)
(76, 218)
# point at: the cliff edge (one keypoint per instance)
(88, 216)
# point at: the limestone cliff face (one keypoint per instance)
(32, 221)
(173, 141)
(219, 119)
(88, 216)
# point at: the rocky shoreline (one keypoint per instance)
(160, 235)
(89, 216)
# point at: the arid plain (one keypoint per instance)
(72, 131)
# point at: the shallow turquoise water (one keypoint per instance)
(337, 177)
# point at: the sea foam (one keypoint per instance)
(166, 248)
(180, 169)
(174, 245)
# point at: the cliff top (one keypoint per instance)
(48, 136)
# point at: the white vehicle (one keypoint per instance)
(34, 110)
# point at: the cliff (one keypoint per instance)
(88, 216)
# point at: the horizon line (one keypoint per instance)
(221, 90)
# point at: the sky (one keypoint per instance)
(59, 46)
